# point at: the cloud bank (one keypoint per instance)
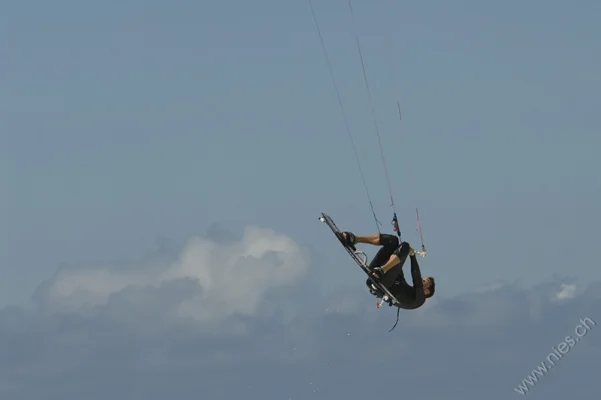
(209, 323)
(209, 280)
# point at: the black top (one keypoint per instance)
(409, 297)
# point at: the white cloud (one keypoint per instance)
(566, 292)
(232, 277)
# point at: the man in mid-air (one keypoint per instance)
(387, 268)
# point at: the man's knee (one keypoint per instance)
(387, 240)
(402, 251)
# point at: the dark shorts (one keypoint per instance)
(390, 245)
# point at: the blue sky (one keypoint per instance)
(141, 139)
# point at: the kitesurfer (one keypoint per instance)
(387, 268)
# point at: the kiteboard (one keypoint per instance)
(360, 258)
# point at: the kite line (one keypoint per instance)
(348, 129)
(376, 127)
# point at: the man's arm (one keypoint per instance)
(418, 284)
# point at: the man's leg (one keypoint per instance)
(352, 239)
(398, 256)
(375, 239)
(390, 270)
(386, 258)
(389, 244)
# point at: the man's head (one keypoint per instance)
(429, 286)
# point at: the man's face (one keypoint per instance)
(427, 285)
